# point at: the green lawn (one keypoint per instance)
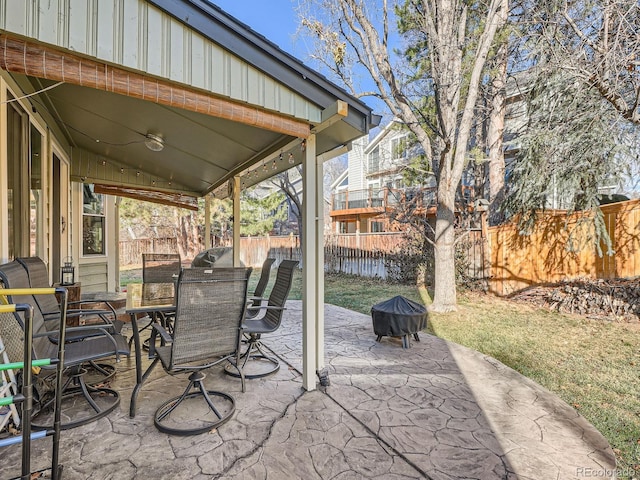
(591, 364)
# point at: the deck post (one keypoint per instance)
(207, 222)
(309, 266)
(319, 270)
(236, 221)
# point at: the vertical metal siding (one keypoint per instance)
(80, 26)
(139, 36)
(200, 63)
(14, 16)
(106, 33)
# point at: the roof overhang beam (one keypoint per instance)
(18, 55)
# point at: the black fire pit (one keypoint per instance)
(398, 317)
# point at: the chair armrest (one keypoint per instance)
(108, 306)
(85, 328)
(166, 336)
(51, 316)
(259, 311)
(157, 328)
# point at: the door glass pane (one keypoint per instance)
(15, 173)
(36, 220)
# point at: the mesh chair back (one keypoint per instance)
(280, 292)
(13, 275)
(39, 278)
(210, 306)
(160, 267)
(264, 277)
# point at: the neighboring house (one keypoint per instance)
(159, 100)
(374, 183)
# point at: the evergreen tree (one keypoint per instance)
(259, 214)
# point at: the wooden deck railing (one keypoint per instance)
(383, 198)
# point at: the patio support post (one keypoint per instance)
(309, 266)
(116, 221)
(319, 270)
(236, 221)
(207, 222)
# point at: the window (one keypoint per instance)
(376, 227)
(374, 160)
(36, 216)
(399, 148)
(93, 222)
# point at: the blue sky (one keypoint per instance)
(276, 20)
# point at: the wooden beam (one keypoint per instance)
(331, 115)
(154, 196)
(29, 58)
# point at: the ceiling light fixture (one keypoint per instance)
(154, 142)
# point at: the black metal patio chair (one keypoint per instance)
(255, 363)
(160, 267)
(38, 275)
(105, 317)
(77, 352)
(258, 292)
(210, 307)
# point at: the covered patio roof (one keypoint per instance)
(212, 97)
(177, 97)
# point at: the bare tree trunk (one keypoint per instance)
(189, 241)
(444, 254)
(443, 23)
(495, 136)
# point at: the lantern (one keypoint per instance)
(67, 272)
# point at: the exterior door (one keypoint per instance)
(60, 226)
(18, 182)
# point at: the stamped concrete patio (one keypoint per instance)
(436, 410)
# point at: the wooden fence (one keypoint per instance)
(360, 254)
(363, 254)
(131, 250)
(545, 256)
(510, 261)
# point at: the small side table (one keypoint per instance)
(73, 295)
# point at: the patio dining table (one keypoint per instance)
(151, 299)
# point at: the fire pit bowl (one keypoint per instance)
(398, 317)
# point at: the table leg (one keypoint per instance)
(140, 377)
(138, 357)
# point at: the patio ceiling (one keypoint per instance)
(105, 110)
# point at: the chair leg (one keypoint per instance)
(254, 362)
(99, 373)
(101, 400)
(185, 416)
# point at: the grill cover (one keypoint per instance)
(398, 316)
